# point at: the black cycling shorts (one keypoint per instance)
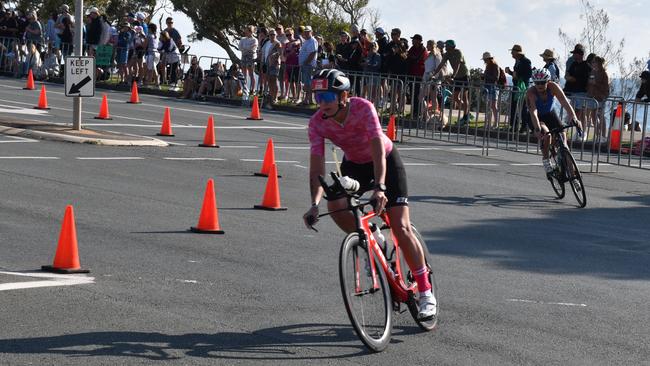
(396, 189)
(551, 120)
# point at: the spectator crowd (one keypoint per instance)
(277, 63)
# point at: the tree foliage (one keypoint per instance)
(594, 36)
(223, 21)
(114, 9)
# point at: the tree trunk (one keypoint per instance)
(222, 41)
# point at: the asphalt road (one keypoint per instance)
(524, 278)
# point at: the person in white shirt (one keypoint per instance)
(248, 48)
(307, 62)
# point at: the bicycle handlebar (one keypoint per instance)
(562, 128)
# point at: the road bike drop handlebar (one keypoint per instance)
(342, 187)
(562, 128)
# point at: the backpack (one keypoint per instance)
(502, 81)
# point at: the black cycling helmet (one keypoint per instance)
(331, 80)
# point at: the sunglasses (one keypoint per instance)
(325, 97)
(540, 83)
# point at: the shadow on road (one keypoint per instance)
(601, 242)
(276, 343)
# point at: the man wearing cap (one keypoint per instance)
(307, 62)
(415, 58)
(521, 74)
(551, 65)
(93, 30)
(644, 89)
(460, 76)
(577, 78)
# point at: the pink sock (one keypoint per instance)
(422, 278)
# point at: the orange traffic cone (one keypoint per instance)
(166, 128)
(209, 218)
(103, 110)
(391, 130)
(66, 259)
(271, 200)
(135, 98)
(30, 81)
(269, 160)
(255, 113)
(42, 99)
(615, 135)
(208, 139)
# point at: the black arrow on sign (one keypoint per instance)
(76, 88)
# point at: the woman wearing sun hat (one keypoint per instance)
(550, 64)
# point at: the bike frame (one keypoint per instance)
(400, 292)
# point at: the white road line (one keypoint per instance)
(546, 303)
(188, 281)
(526, 164)
(418, 148)
(18, 139)
(157, 125)
(215, 159)
(175, 109)
(421, 164)
(30, 157)
(53, 280)
(293, 147)
(111, 158)
(176, 143)
(300, 166)
(474, 164)
(277, 161)
(238, 147)
(465, 149)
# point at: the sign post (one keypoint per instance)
(78, 51)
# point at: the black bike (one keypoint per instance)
(566, 169)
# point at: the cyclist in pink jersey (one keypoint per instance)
(369, 157)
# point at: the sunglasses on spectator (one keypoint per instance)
(540, 83)
(325, 97)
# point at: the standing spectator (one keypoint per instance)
(460, 77)
(491, 78)
(65, 47)
(151, 58)
(192, 80)
(93, 30)
(577, 78)
(396, 57)
(140, 18)
(415, 59)
(50, 33)
(34, 31)
(372, 66)
(273, 62)
(366, 43)
(291, 51)
(521, 75)
(122, 52)
(307, 61)
(175, 36)
(262, 52)
(551, 65)
(248, 48)
(171, 58)
(432, 80)
(282, 38)
(644, 89)
(343, 49)
(65, 37)
(8, 27)
(598, 89)
(384, 49)
(327, 59)
(139, 47)
(354, 33)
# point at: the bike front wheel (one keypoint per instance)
(574, 178)
(555, 177)
(367, 302)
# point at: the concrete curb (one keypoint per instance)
(141, 141)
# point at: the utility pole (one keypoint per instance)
(78, 51)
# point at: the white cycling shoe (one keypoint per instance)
(428, 307)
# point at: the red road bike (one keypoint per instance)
(375, 278)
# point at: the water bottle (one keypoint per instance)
(350, 185)
(379, 237)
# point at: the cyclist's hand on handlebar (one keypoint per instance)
(379, 201)
(311, 217)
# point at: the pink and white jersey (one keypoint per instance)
(353, 137)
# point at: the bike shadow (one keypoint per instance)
(524, 202)
(269, 344)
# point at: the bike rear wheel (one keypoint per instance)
(369, 309)
(574, 178)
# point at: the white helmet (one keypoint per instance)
(541, 75)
